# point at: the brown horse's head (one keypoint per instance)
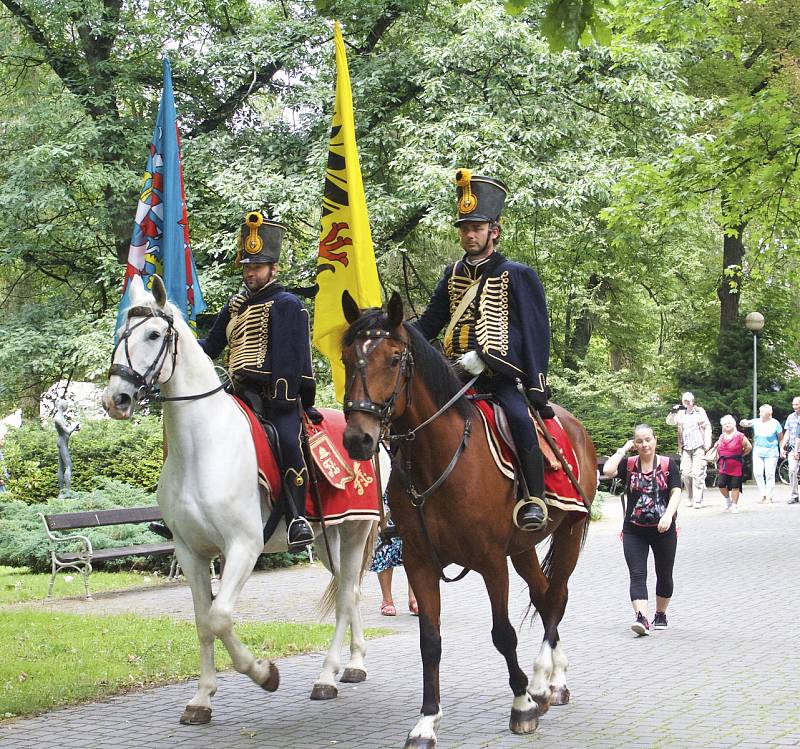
(378, 362)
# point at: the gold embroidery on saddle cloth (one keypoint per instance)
(492, 325)
(329, 461)
(248, 338)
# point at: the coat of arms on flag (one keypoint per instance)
(346, 258)
(160, 239)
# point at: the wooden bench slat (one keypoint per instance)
(123, 551)
(95, 519)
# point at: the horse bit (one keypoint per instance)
(384, 411)
(146, 382)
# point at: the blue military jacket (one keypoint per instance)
(507, 323)
(269, 342)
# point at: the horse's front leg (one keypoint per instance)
(196, 570)
(425, 582)
(239, 560)
(354, 538)
(524, 709)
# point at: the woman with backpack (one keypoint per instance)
(652, 493)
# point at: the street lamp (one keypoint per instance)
(754, 322)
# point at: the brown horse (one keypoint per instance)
(398, 383)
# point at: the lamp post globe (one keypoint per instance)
(754, 322)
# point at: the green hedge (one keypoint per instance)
(128, 452)
(23, 542)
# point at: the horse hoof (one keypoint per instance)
(524, 721)
(353, 676)
(543, 701)
(559, 695)
(196, 715)
(418, 742)
(324, 692)
(273, 680)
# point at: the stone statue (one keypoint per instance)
(64, 430)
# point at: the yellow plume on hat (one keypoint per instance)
(467, 202)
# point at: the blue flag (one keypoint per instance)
(160, 241)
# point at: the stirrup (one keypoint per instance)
(530, 527)
(304, 539)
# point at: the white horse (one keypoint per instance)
(211, 499)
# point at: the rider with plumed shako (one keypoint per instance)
(496, 325)
(266, 330)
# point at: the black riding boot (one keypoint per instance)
(299, 532)
(161, 529)
(530, 515)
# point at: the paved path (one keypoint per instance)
(725, 674)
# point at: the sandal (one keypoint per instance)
(413, 607)
(388, 609)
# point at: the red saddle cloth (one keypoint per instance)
(558, 489)
(347, 487)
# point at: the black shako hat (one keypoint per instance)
(260, 239)
(479, 198)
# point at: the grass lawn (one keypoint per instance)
(18, 584)
(52, 659)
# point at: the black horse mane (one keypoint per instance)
(438, 373)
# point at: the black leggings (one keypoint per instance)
(637, 547)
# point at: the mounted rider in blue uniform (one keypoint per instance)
(495, 314)
(266, 331)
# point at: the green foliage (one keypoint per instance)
(23, 542)
(102, 449)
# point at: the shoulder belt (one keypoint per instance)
(467, 299)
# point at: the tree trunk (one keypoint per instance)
(730, 285)
(580, 334)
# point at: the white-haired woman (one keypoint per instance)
(767, 435)
(731, 448)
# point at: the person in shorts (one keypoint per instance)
(731, 448)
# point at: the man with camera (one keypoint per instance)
(694, 438)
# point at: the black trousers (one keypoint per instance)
(637, 545)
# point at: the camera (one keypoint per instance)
(678, 407)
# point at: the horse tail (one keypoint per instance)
(327, 603)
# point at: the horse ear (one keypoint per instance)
(395, 310)
(350, 308)
(137, 290)
(159, 291)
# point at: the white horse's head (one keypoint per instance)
(146, 349)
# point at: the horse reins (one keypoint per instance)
(146, 382)
(384, 411)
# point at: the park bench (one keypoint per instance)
(81, 560)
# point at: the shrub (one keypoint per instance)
(130, 453)
(23, 542)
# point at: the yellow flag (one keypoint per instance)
(346, 256)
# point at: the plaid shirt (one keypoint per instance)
(792, 428)
(692, 437)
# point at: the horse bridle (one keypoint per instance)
(383, 411)
(145, 383)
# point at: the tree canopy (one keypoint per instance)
(651, 155)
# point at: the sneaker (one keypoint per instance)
(793, 501)
(660, 620)
(728, 505)
(735, 509)
(641, 626)
(698, 505)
